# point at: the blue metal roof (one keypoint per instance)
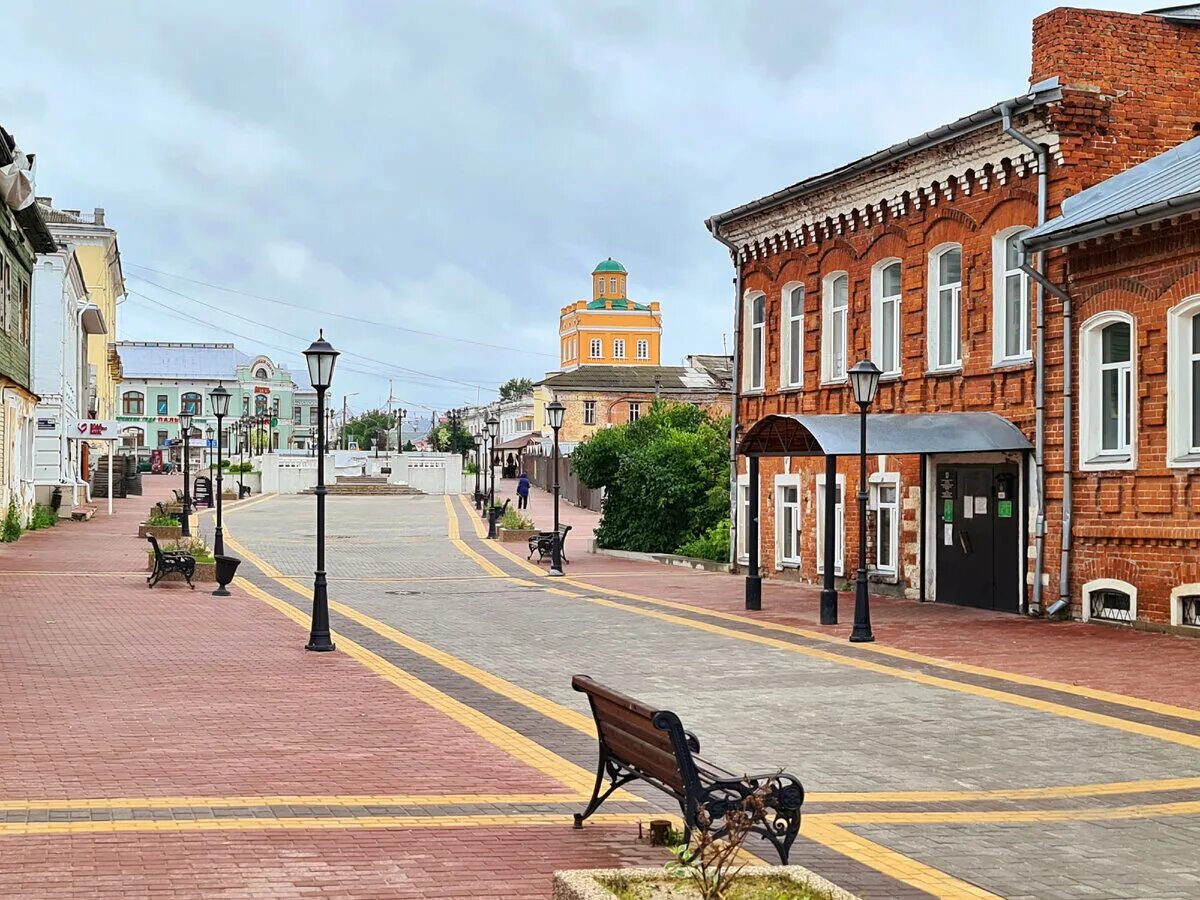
(788, 434)
(160, 359)
(1161, 187)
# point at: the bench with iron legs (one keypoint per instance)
(543, 543)
(638, 742)
(166, 561)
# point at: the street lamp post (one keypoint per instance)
(321, 357)
(864, 381)
(400, 414)
(477, 440)
(243, 437)
(554, 415)
(493, 427)
(219, 398)
(185, 422)
(208, 433)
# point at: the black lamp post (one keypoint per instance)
(219, 398)
(493, 427)
(477, 440)
(185, 422)
(864, 381)
(321, 357)
(208, 433)
(554, 416)
(400, 414)
(243, 425)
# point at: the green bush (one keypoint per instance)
(43, 517)
(161, 521)
(11, 529)
(666, 477)
(713, 544)
(514, 521)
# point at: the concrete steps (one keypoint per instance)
(371, 489)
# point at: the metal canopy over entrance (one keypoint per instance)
(889, 433)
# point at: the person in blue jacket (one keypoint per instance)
(523, 491)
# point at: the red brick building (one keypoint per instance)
(912, 257)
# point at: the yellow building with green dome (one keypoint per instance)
(610, 329)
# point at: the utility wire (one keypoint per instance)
(444, 337)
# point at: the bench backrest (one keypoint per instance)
(649, 740)
(157, 550)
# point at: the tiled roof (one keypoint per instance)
(632, 378)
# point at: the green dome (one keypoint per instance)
(609, 265)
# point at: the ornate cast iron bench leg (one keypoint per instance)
(618, 776)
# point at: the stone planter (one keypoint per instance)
(517, 535)
(586, 884)
(206, 572)
(160, 532)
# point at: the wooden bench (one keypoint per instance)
(543, 543)
(166, 561)
(641, 743)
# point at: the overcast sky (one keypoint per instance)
(458, 168)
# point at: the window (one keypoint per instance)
(1189, 610)
(5, 288)
(191, 403)
(787, 521)
(312, 415)
(596, 351)
(133, 403)
(1107, 405)
(743, 516)
(245, 406)
(133, 437)
(163, 437)
(791, 337)
(612, 285)
(643, 349)
(635, 411)
(161, 404)
(756, 348)
(261, 374)
(1013, 338)
(25, 312)
(275, 407)
(945, 302)
(839, 526)
(1109, 600)
(295, 415)
(600, 286)
(836, 299)
(885, 316)
(887, 525)
(619, 349)
(589, 412)
(1183, 383)
(260, 404)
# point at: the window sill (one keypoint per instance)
(835, 382)
(949, 370)
(1123, 462)
(790, 388)
(887, 377)
(1186, 461)
(1023, 362)
(789, 564)
(753, 392)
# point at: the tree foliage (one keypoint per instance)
(516, 387)
(451, 437)
(666, 477)
(363, 429)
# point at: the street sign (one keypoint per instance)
(95, 429)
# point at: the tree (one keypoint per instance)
(363, 429)
(451, 437)
(516, 388)
(666, 477)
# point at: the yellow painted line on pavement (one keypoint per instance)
(1106, 789)
(501, 736)
(889, 862)
(110, 803)
(460, 545)
(1012, 816)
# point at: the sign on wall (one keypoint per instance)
(95, 429)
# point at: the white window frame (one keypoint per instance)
(619, 348)
(1000, 276)
(600, 290)
(597, 349)
(892, 480)
(839, 526)
(1177, 595)
(787, 323)
(589, 412)
(635, 410)
(829, 373)
(1182, 355)
(933, 307)
(879, 340)
(643, 349)
(1107, 584)
(612, 285)
(755, 337)
(1091, 456)
(743, 518)
(782, 483)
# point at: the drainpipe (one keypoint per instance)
(1039, 424)
(734, 383)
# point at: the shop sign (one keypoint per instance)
(99, 429)
(260, 389)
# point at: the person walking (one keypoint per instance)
(523, 491)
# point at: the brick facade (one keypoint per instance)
(1128, 93)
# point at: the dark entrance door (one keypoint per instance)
(978, 536)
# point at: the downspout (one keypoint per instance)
(734, 383)
(1039, 376)
(1064, 579)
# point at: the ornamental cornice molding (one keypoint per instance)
(977, 162)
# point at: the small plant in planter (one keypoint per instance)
(195, 548)
(516, 527)
(164, 528)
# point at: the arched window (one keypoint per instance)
(885, 316)
(1109, 600)
(1183, 383)
(1012, 329)
(945, 307)
(133, 437)
(791, 337)
(261, 374)
(1108, 401)
(191, 403)
(756, 346)
(600, 286)
(612, 285)
(133, 403)
(835, 302)
(260, 404)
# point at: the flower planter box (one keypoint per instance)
(589, 884)
(206, 572)
(517, 535)
(160, 532)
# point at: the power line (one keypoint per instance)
(432, 334)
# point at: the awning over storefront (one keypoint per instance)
(887, 433)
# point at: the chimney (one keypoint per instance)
(98, 216)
